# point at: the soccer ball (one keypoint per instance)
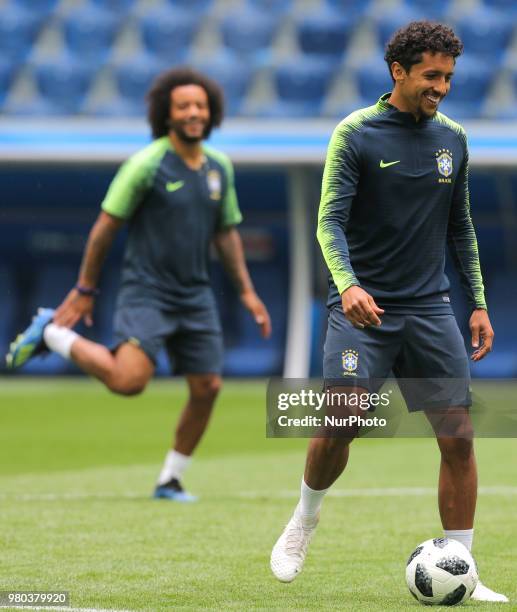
(441, 572)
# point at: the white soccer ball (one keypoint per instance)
(441, 572)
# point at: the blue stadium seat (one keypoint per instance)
(90, 32)
(169, 33)
(116, 6)
(325, 33)
(249, 35)
(350, 7)
(64, 84)
(431, 10)
(233, 76)
(507, 6)
(41, 7)
(373, 80)
(278, 7)
(133, 78)
(7, 73)
(486, 33)
(302, 85)
(389, 22)
(469, 88)
(18, 31)
(196, 6)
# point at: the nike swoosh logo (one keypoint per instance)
(386, 164)
(174, 186)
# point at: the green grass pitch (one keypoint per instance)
(77, 466)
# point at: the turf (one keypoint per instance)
(77, 466)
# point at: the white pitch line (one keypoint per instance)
(282, 494)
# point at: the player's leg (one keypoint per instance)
(126, 370)
(436, 352)
(350, 355)
(199, 355)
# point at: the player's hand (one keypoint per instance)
(482, 334)
(258, 310)
(74, 308)
(360, 307)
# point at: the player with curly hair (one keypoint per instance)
(177, 196)
(394, 196)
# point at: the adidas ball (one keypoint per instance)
(441, 572)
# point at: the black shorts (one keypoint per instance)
(425, 352)
(193, 339)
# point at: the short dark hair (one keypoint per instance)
(159, 98)
(407, 44)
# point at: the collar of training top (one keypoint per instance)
(399, 116)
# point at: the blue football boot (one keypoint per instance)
(173, 491)
(29, 343)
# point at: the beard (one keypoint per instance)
(178, 129)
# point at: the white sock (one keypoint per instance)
(463, 536)
(174, 467)
(310, 501)
(59, 339)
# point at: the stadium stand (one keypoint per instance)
(111, 34)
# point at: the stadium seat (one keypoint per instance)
(196, 6)
(388, 23)
(278, 7)
(507, 6)
(354, 8)
(168, 33)
(233, 76)
(249, 35)
(431, 10)
(64, 84)
(325, 33)
(373, 80)
(133, 78)
(469, 88)
(18, 31)
(116, 6)
(89, 33)
(302, 84)
(7, 73)
(41, 7)
(486, 33)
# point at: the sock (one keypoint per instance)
(174, 467)
(464, 536)
(310, 501)
(59, 339)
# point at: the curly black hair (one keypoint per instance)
(159, 98)
(407, 44)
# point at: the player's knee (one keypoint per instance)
(127, 385)
(457, 450)
(207, 389)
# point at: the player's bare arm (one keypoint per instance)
(482, 334)
(360, 307)
(77, 306)
(229, 247)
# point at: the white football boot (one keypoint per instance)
(483, 593)
(289, 552)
